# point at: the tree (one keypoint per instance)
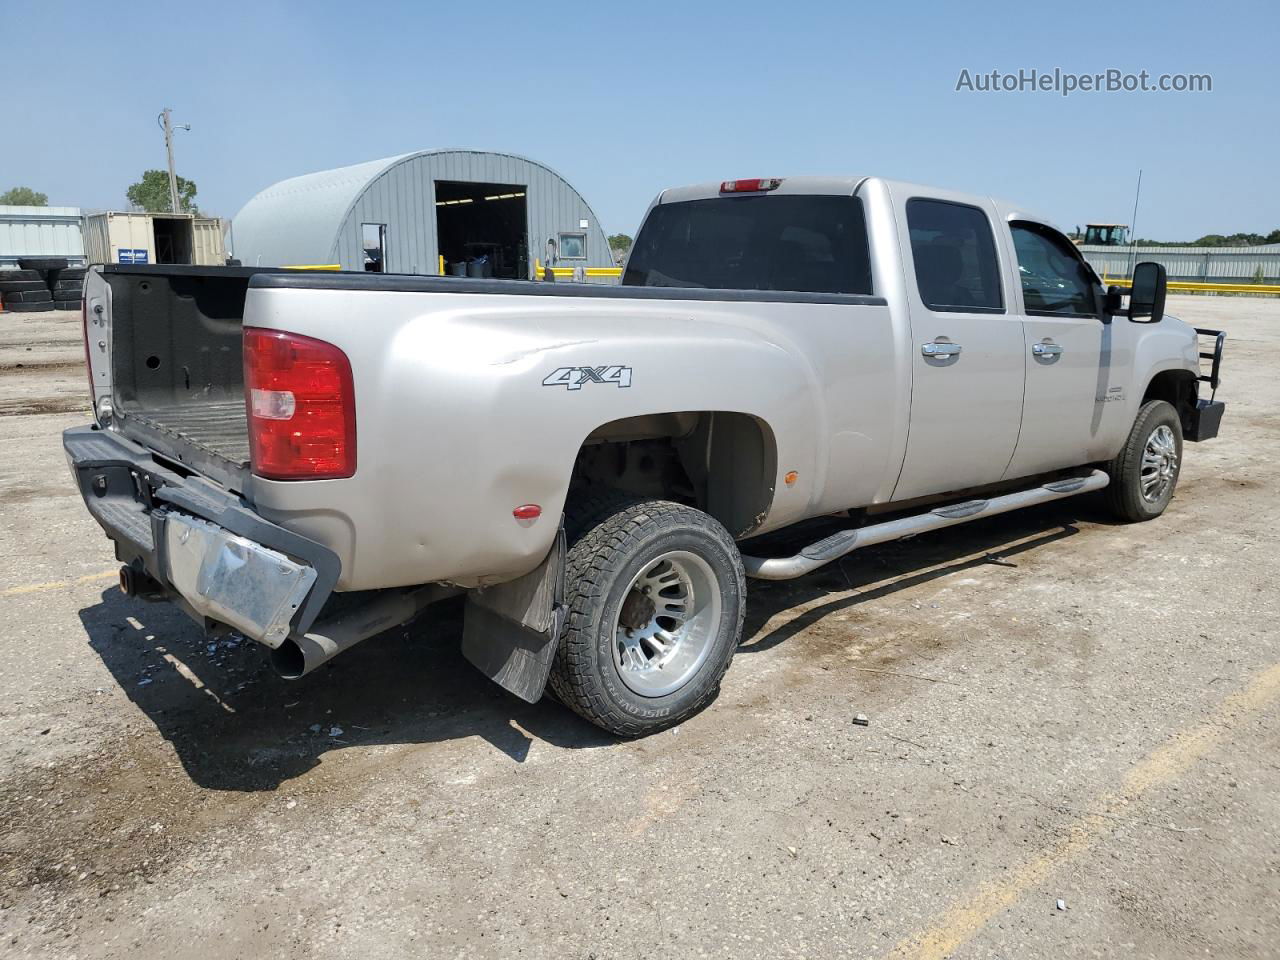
(619, 244)
(151, 193)
(1234, 240)
(24, 197)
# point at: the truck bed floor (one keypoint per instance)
(219, 427)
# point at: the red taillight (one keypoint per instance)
(751, 186)
(301, 405)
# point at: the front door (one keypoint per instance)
(1070, 400)
(967, 349)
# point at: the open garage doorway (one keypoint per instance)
(483, 229)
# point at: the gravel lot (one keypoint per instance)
(1072, 750)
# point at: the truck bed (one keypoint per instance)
(176, 360)
(176, 364)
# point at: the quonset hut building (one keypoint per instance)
(458, 212)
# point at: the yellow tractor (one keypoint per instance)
(1105, 235)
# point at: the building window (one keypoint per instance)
(573, 246)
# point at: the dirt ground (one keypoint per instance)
(1072, 749)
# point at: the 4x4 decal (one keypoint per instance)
(572, 378)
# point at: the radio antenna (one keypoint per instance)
(1133, 226)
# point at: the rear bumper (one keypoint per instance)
(213, 555)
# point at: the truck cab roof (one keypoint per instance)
(848, 186)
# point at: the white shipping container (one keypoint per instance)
(153, 238)
(208, 247)
(119, 238)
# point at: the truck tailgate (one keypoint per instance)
(176, 375)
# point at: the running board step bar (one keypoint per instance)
(845, 542)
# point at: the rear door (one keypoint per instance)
(967, 346)
(1069, 357)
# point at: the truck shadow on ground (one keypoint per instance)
(235, 725)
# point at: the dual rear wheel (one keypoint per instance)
(656, 596)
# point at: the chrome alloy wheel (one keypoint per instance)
(667, 623)
(1159, 464)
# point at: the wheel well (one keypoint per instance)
(723, 463)
(1177, 387)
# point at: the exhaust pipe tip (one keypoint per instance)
(299, 654)
(289, 660)
(135, 582)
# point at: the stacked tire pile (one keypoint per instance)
(24, 291)
(66, 284)
(39, 285)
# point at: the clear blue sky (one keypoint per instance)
(627, 98)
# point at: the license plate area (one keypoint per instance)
(232, 579)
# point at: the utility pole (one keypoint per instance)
(167, 126)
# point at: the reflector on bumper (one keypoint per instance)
(233, 580)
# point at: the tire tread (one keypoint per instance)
(601, 529)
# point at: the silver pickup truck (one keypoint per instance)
(310, 458)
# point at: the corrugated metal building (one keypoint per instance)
(1192, 264)
(462, 212)
(40, 232)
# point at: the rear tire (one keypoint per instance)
(656, 596)
(1145, 472)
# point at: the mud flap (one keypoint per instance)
(510, 631)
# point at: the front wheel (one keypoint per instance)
(1145, 472)
(656, 596)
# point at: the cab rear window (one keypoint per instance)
(802, 244)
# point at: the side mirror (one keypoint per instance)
(1146, 297)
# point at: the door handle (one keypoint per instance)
(940, 349)
(1046, 350)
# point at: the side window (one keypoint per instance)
(573, 246)
(955, 255)
(1055, 281)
